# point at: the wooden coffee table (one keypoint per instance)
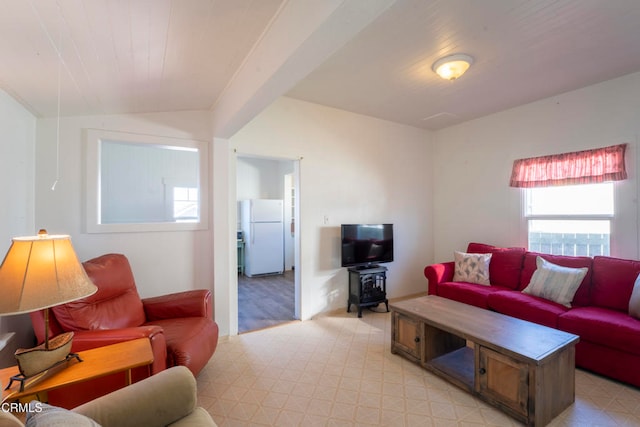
(97, 362)
(526, 370)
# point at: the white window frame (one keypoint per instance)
(93, 223)
(190, 191)
(526, 217)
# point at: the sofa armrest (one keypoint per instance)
(438, 273)
(86, 340)
(156, 401)
(196, 303)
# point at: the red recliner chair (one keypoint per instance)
(179, 326)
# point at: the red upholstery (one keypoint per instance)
(468, 293)
(115, 305)
(527, 307)
(505, 265)
(179, 326)
(608, 361)
(600, 325)
(185, 345)
(613, 280)
(438, 273)
(504, 272)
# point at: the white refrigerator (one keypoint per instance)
(263, 231)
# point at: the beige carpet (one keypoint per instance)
(338, 371)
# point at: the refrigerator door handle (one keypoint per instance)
(253, 234)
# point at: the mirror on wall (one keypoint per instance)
(145, 183)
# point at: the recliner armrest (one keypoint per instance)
(196, 303)
(156, 401)
(438, 273)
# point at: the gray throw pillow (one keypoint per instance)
(555, 282)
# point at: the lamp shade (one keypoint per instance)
(39, 272)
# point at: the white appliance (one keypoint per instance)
(263, 229)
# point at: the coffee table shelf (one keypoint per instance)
(459, 365)
(526, 370)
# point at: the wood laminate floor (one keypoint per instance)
(265, 301)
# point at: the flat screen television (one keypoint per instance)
(366, 245)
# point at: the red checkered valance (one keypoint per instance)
(579, 167)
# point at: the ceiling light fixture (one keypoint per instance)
(453, 66)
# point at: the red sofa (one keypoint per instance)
(179, 326)
(609, 336)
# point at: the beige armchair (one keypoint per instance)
(168, 398)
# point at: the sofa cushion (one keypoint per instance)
(505, 266)
(468, 293)
(606, 327)
(634, 301)
(526, 307)
(115, 305)
(472, 268)
(555, 282)
(581, 297)
(613, 280)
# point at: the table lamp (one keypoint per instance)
(39, 272)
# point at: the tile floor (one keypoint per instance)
(338, 371)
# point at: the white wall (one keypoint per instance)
(353, 169)
(17, 127)
(472, 164)
(260, 178)
(162, 262)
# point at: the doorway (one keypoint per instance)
(266, 298)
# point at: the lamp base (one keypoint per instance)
(39, 359)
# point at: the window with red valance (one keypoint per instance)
(568, 199)
(579, 167)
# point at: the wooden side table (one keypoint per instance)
(97, 362)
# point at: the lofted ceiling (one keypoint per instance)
(524, 51)
(125, 56)
(136, 56)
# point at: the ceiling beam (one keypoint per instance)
(301, 36)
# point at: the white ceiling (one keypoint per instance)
(125, 56)
(524, 50)
(162, 55)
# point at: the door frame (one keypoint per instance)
(233, 198)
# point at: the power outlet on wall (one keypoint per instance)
(326, 220)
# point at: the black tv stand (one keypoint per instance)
(367, 287)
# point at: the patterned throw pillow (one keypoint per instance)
(555, 282)
(472, 268)
(634, 301)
